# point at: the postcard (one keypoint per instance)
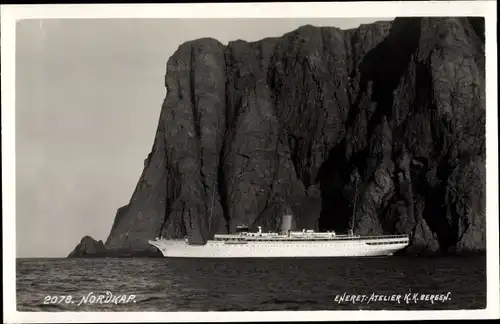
(250, 162)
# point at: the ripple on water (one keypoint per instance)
(242, 285)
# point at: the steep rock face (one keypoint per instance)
(390, 116)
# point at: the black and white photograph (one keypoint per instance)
(236, 162)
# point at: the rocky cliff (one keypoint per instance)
(390, 115)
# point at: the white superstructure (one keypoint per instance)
(292, 244)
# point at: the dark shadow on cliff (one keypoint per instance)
(336, 199)
(478, 25)
(384, 66)
(435, 209)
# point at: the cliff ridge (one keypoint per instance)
(391, 114)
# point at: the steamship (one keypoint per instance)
(287, 243)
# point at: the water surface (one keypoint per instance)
(161, 284)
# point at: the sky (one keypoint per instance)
(88, 99)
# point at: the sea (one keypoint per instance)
(288, 284)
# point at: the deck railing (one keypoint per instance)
(309, 238)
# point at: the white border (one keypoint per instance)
(10, 14)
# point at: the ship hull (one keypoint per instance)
(297, 249)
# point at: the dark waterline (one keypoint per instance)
(161, 284)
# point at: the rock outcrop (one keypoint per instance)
(390, 115)
(88, 247)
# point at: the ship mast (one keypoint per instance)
(354, 205)
(211, 209)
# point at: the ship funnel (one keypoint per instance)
(286, 223)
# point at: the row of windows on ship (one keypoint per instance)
(379, 243)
